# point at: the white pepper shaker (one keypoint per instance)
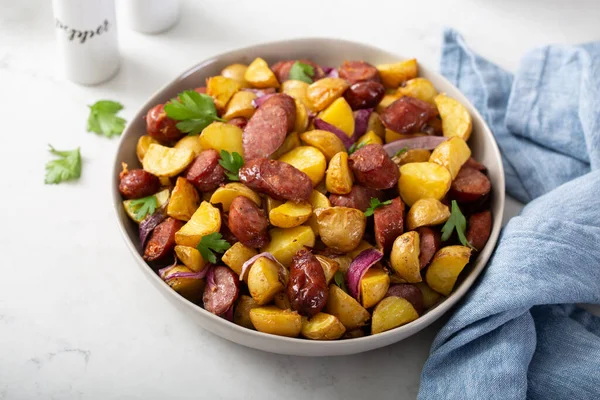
(149, 16)
(86, 33)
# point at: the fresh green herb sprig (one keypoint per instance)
(66, 167)
(375, 203)
(232, 162)
(456, 221)
(339, 281)
(302, 72)
(103, 118)
(357, 146)
(144, 206)
(399, 152)
(194, 111)
(211, 244)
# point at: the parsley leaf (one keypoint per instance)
(402, 150)
(302, 72)
(357, 146)
(232, 162)
(339, 280)
(103, 118)
(67, 167)
(375, 203)
(144, 206)
(194, 111)
(210, 244)
(456, 221)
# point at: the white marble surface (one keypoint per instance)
(77, 319)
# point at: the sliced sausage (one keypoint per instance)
(373, 167)
(240, 122)
(201, 90)
(267, 128)
(389, 223)
(407, 114)
(359, 198)
(282, 69)
(228, 236)
(364, 94)
(307, 288)
(162, 240)
(221, 295)
(248, 222)
(433, 127)
(469, 186)
(161, 127)
(277, 179)
(137, 183)
(358, 71)
(430, 243)
(479, 228)
(409, 292)
(205, 172)
(473, 163)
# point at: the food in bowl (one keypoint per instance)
(303, 200)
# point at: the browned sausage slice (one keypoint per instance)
(358, 71)
(267, 128)
(389, 223)
(162, 241)
(161, 127)
(220, 297)
(205, 172)
(307, 288)
(473, 163)
(373, 168)
(469, 185)
(201, 90)
(408, 292)
(282, 69)
(364, 94)
(277, 179)
(479, 229)
(359, 198)
(430, 243)
(248, 222)
(137, 183)
(407, 115)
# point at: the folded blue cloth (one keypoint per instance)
(518, 334)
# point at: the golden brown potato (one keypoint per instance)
(236, 72)
(405, 257)
(369, 138)
(343, 306)
(161, 199)
(322, 327)
(456, 120)
(343, 261)
(166, 161)
(339, 114)
(206, 220)
(419, 88)
(317, 200)
(338, 179)
(392, 75)
(276, 321)
(451, 154)
(445, 267)
(290, 214)
(296, 89)
(285, 243)
(422, 180)
(142, 146)
(190, 142)
(240, 105)
(263, 280)
(330, 266)
(290, 143)
(282, 300)
(309, 160)
(373, 286)
(325, 141)
(189, 288)
(413, 155)
(226, 194)
(241, 315)
(391, 136)
(184, 200)
(272, 204)
(221, 89)
(301, 117)
(237, 255)
(430, 296)
(341, 228)
(259, 75)
(427, 212)
(391, 313)
(190, 257)
(323, 92)
(222, 136)
(362, 246)
(375, 125)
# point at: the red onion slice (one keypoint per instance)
(259, 100)
(246, 266)
(361, 122)
(358, 267)
(417, 142)
(228, 315)
(190, 275)
(210, 278)
(320, 124)
(148, 225)
(163, 271)
(330, 72)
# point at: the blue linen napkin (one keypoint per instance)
(518, 333)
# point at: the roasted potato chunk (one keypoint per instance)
(285, 243)
(385, 102)
(241, 315)
(426, 212)
(259, 75)
(338, 179)
(451, 154)
(206, 220)
(301, 117)
(190, 142)
(391, 313)
(392, 75)
(237, 255)
(276, 321)
(445, 267)
(343, 306)
(282, 300)
(290, 214)
(190, 288)
(376, 125)
(236, 72)
(240, 105)
(373, 286)
(184, 200)
(339, 114)
(341, 228)
(405, 257)
(423, 180)
(190, 257)
(369, 138)
(323, 92)
(322, 326)
(325, 141)
(226, 194)
(456, 120)
(317, 200)
(330, 266)
(221, 89)
(309, 160)
(419, 88)
(296, 89)
(161, 199)
(166, 161)
(222, 136)
(411, 156)
(263, 280)
(142, 146)
(290, 143)
(430, 296)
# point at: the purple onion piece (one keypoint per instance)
(259, 101)
(361, 122)
(210, 278)
(330, 72)
(320, 124)
(246, 266)
(148, 225)
(417, 142)
(164, 271)
(228, 315)
(358, 267)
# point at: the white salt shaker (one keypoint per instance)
(149, 16)
(86, 32)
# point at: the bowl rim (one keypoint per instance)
(420, 323)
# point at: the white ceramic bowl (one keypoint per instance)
(327, 52)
